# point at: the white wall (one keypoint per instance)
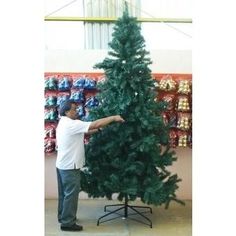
(164, 61)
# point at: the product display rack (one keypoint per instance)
(178, 115)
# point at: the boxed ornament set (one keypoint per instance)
(176, 91)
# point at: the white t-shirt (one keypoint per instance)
(70, 143)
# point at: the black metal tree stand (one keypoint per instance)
(126, 214)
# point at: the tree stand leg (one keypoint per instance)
(126, 215)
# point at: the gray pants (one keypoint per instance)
(68, 192)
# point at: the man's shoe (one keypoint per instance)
(74, 227)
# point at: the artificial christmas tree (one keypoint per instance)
(129, 159)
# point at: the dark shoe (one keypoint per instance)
(74, 227)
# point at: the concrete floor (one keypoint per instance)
(176, 221)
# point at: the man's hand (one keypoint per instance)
(118, 118)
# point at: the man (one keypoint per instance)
(70, 158)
